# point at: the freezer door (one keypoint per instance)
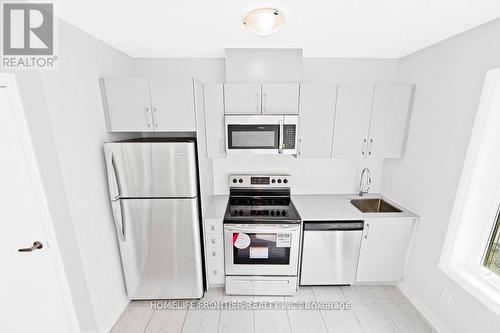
(161, 250)
(152, 169)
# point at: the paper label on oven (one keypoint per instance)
(283, 239)
(241, 240)
(259, 252)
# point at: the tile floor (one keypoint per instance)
(374, 309)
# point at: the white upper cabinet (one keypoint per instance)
(242, 98)
(372, 120)
(316, 119)
(214, 120)
(389, 120)
(128, 104)
(384, 249)
(142, 105)
(173, 104)
(352, 120)
(280, 98)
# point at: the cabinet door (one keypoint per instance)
(384, 249)
(173, 104)
(389, 121)
(352, 120)
(242, 98)
(280, 98)
(214, 120)
(127, 104)
(316, 117)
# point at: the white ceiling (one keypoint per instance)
(323, 28)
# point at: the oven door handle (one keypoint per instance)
(261, 229)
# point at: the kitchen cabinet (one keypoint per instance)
(214, 251)
(280, 98)
(143, 105)
(316, 118)
(372, 120)
(128, 104)
(384, 249)
(173, 104)
(352, 120)
(242, 98)
(214, 120)
(247, 98)
(389, 120)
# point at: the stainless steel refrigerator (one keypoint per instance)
(153, 187)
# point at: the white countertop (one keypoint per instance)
(215, 206)
(315, 207)
(312, 207)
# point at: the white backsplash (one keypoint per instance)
(310, 176)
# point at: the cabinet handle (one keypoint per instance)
(148, 123)
(370, 147)
(213, 241)
(258, 102)
(363, 147)
(212, 228)
(264, 100)
(215, 272)
(214, 254)
(367, 230)
(155, 120)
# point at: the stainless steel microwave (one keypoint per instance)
(261, 134)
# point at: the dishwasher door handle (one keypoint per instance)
(334, 226)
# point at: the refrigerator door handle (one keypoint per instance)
(113, 181)
(118, 217)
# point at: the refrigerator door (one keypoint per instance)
(161, 248)
(151, 169)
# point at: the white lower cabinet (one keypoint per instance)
(384, 249)
(214, 251)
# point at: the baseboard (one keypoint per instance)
(428, 314)
(113, 318)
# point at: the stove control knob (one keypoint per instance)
(241, 213)
(285, 181)
(273, 181)
(272, 213)
(279, 181)
(241, 180)
(277, 213)
(235, 180)
(283, 213)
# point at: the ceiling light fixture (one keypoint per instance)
(264, 21)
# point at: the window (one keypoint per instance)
(471, 253)
(492, 258)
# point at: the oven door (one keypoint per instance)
(253, 134)
(261, 249)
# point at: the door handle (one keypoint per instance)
(148, 123)
(155, 117)
(36, 246)
(367, 230)
(370, 147)
(363, 149)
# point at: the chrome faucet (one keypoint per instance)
(365, 187)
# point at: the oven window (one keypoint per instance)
(253, 136)
(262, 250)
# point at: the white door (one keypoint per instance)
(214, 120)
(352, 120)
(173, 105)
(32, 300)
(242, 98)
(384, 248)
(280, 98)
(316, 117)
(389, 121)
(127, 104)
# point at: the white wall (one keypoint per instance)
(449, 78)
(78, 124)
(310, 175)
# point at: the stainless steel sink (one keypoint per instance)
(374, 206)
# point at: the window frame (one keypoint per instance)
(477, 204)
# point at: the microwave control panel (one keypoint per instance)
(289, 134)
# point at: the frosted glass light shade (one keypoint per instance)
(264, 21)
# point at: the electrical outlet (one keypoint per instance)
(446, 296)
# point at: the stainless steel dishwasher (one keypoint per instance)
(330, 252)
